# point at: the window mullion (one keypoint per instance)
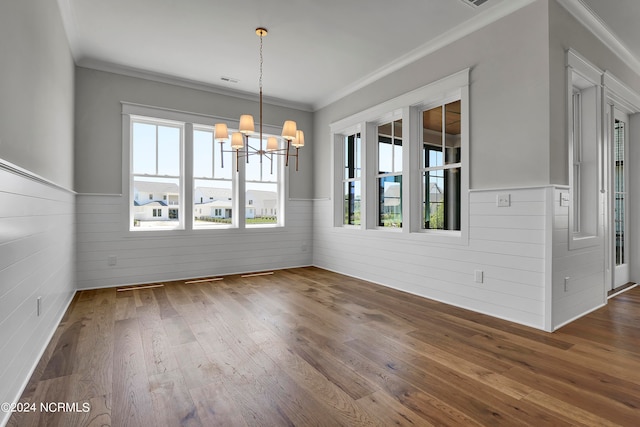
(186, 179)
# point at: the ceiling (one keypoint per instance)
(315, 52)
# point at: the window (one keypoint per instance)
(262, 184)
(156, 169)
(404, 163)
(211, 181)
(389, 176)
(584, 116)
(352, 193)
(440, 168)
(173, 157)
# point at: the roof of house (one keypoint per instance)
(152, 187)
(210, 193)
(150, 203)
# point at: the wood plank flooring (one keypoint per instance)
(310, 347)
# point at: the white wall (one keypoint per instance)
(583, 269)
(98, 125)
(566, 32)
(508, 244)
(102, 202)
(509, 149)
(509, 101)
(586, 268)
(36, 90)
(37, 240)
(144, 258)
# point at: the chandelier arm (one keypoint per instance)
(287, 153)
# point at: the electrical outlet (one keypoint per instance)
(38, 306)
(564, 199)
(503, 200)
(112, 260)
(478, 276)
(566, 284)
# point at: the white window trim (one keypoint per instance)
(407, 106)
(580, 66)
(188, 119)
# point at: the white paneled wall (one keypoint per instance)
(37, 250)
(143, 257)
(508, 244)
(583, 270)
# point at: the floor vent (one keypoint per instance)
(474, 3)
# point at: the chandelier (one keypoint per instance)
(240, 140)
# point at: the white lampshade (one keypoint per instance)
(299, 141)
(289, 130)
(237, 140)
(272, 143)
(221, 132)
(246, 124)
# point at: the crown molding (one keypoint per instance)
(587, 17)
(481, 20)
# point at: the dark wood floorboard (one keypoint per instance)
(310, 347)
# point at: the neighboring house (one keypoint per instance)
(155, 201)
(262, 203)
(212, 202)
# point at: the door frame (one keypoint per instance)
(621, 97)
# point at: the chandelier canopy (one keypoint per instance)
(240, 140)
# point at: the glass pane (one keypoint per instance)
(385, 154)
(619, 189)
(168, 151)
(203, 154)
(262, 199)
(390, 147)
(144, 148)
(352, 197)
(441, 199)
(431, 155)
(390, 201)
(397, 146)
(452, 132)
(397, 155)
(261, 203)
(261, 168)
(156, 202)
(619, 223)
(352, 156)
(212, 203)
(432, 137)
(619, 139)
(433, 200)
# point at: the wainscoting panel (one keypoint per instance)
(583, 268)
(37, 251)
(143, 257)
(508, 244)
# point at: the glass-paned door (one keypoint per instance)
(620, 199)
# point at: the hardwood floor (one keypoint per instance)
(310, 347)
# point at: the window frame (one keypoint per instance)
(378, 175)
(581, 235)
(409, 107)
(180, 225)
(191, 121)
(341, 140)
(445, 166)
